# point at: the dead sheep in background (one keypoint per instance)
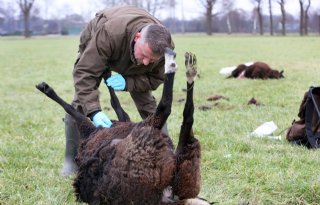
(258, 70)
(135, 163)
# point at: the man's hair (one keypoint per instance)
(157, 37)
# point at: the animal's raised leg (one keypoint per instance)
(83, 123)
(164, 107)
(121, 114)
(187, 179)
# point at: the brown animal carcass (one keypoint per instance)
(258, 70)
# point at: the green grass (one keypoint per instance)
(236, 168)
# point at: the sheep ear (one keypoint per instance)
(281, 74)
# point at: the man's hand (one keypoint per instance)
(100, 119)
(117, 82)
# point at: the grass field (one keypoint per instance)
(236, 168)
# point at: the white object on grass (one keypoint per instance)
(227, 70)
(249, 63)
(273, 137)
(266, 129)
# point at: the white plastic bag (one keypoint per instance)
(266, 130)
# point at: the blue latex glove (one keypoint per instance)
(117, 82)
(100, 119)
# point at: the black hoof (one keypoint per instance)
(43, 87)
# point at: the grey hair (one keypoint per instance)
(158, 38)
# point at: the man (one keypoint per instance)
(126, 40)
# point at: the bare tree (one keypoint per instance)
(208, 5)
(301, 17)
(25, 6)
(271, 17)
(254, 17)
(304, 17)
(258, 10)
(283, 17)
(260, 17)
(227, 6)
(209, 8)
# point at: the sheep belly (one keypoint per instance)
(143, 168)
(125, 165)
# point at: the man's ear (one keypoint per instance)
(137, 36)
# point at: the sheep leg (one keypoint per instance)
(121, 114)
(186, 133)
(164, 107)
(187, 179)
(83, 123)
(115, 103)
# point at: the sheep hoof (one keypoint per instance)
(43, 87)
(191, 66)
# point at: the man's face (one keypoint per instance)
(142, 52)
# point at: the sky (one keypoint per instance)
(187, 9)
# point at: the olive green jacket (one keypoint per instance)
(107, 44)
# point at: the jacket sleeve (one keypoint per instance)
(149, 81)
(88, 71)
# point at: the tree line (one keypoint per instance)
(217, 16)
